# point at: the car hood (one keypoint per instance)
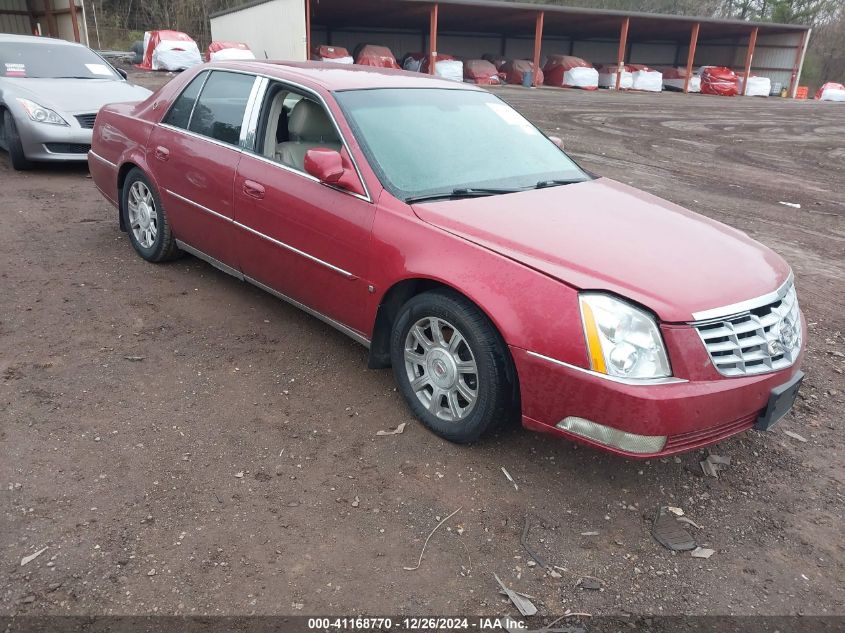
(75, 95)
(603, 235)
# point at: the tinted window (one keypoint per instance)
(47, 60)
(180, 112)
(220, 110)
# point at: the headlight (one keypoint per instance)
(622, 340)
(41, 114)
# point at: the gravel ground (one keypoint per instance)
(182, 443)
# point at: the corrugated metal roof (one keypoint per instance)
(517, 18)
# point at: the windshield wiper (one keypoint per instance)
(78, 77)
(543, 184)
(462, 192)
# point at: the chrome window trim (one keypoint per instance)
(194, 106)
(91, 152)
(273, 240)
(640, 382)
(353, 334)
(735, 309)
(249, 125)
(173, 128)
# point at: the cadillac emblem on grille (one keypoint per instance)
(762, 339)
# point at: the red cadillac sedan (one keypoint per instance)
(434, 224)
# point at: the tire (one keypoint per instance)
(140, 205)
(442, 404)
(13, 142)
(137, 50)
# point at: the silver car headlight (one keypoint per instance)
(622, 340)
(40, 114)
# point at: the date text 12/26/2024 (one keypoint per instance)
(427, 623)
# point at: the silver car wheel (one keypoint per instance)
(441, 369)
(143, 217)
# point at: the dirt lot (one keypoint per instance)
(236, 468)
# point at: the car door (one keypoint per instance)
(300, 238)
(194, 154)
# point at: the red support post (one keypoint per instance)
(749, 55)
(52, 26)
(623, 44)
(538, 44)
(432, 39)
(307, 30)
(693, 43)
(73, 19)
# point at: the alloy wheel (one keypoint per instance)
(143, 217)
(441, 369)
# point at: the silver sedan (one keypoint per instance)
(50, 93)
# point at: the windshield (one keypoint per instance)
(46, 60)
(429, 142)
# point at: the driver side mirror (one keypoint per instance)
(122, 73)
(557, 141)
(326, 165)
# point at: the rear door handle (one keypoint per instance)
(162, 153)
(253, 189)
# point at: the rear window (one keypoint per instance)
(180, 112)
(44, 60)
(219, 112)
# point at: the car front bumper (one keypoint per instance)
(698, 409)
(45, 142)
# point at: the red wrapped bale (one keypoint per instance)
(226, 51)
(169, 50)
(514, 71)
(831, 91)
(645, 78)
(570, 72)
(335, 54)
(674, 79)
(718, 80)
(481, 72)
(378, 56)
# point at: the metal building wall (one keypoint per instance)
(18, 24)
(273, 30)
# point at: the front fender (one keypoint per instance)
(531, 310)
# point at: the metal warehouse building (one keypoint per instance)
(64, 19)
(286, 29)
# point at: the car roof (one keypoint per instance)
(338, 77)
(34, 39)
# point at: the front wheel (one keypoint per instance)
(13, 142)
(452, 366)
(145, 219)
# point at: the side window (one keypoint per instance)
(219, 112)
(180, 112)
(292, 123)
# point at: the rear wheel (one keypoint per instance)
(13, 142)
(145, 219)
(452, 366)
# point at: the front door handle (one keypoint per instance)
(253, 189)
(162, 153)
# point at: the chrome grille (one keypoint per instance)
(756, 341)
(86, 120)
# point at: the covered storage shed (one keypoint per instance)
(517, 30)
(64, 19)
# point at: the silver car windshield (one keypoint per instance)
(433, 142)
(43, 60)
